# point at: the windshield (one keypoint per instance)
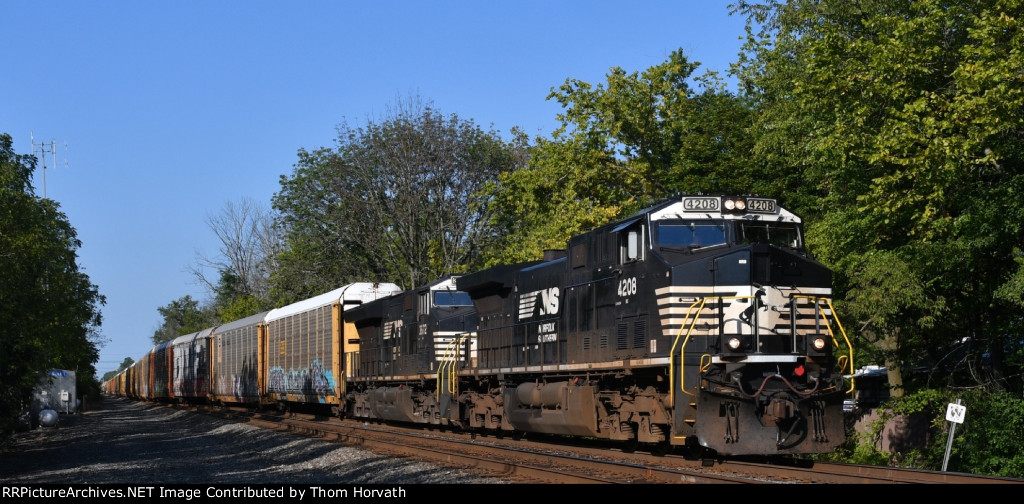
(691, 234)
(452, 298)
(774, 233)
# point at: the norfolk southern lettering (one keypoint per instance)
(357, 492)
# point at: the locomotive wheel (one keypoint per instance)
(630, 445)
(662, 448)
(693, 452)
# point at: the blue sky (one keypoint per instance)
(163, 112)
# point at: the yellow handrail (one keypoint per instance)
(448, 367)
(835, 342)
(453, 381)
(672, 353)
(448, 359)
(843, 359)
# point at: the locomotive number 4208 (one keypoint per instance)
(699, 204)
(760, 205)
(627, 286)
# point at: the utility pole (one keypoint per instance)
(42, 155)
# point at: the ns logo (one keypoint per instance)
(538, 303)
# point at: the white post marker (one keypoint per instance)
(954, 413)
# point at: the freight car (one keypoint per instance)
(700, 323)
(288, 357)
(236, 361)
(307, 344)
(190, 367)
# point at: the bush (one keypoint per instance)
(987, 442)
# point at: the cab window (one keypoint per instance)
(452, 298)
(783, 235)
(631, 244)
(691, 234)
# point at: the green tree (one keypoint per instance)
(183, 316)
(315, 221)
(49, 308)
(565, 190)
(398, 200)
(671, 136)
(904, 122)
(621, 144)
(239, 307)
(125, 364)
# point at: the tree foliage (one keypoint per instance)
(565, 190)
(635, 138)
(904, 120)
(398, 200)
(183, 316)
(49, 308)
(314, 221)
(987, 442)
(247, 257)
(125, 364)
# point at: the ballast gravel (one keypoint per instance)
(118, 441)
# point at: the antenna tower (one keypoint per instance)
(42, 147)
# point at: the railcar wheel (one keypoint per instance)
(518, 434)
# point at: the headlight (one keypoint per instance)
(819, 343)
(734, 205)
(734, 343)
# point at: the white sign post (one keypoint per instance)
(954, 413)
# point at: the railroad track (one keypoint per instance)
(520, 461)
(543, 461)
